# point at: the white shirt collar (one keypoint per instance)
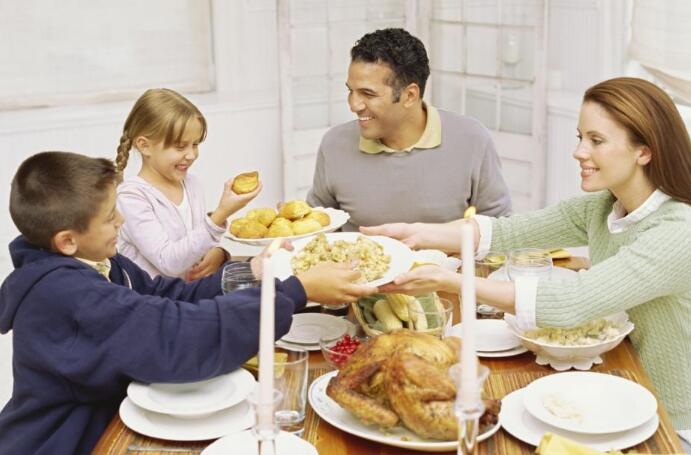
(618, 221)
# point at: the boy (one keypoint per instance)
(86, 321)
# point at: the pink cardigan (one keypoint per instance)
(154, 235)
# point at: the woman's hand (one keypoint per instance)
(231, 202)
(445, 237)
(330, 283)
(211, 261)
(424, 279)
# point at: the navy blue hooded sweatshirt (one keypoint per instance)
(78, 341)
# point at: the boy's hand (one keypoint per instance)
(331, 283)
(231, 202)
(424, 279)
(213, 259)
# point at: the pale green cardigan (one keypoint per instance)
(645, 270)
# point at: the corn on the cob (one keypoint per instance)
(417, 315)
(399, 305)
(386, 316)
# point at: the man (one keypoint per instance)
(403, 160)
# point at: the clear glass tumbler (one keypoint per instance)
(290, 378)
(533, 262)
(238, 275)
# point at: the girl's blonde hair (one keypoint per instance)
(159, 115)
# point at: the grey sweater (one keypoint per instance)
(428, 185)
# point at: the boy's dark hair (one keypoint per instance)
(55, 191)
(401, 51)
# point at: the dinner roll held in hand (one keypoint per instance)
(322, 217)
(294, 209)
(264, 215)
(246, 182)
(305, 226)
(253, 229)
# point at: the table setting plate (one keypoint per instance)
(518, 422)
(338, 219)
(165, 426)
(308, 328)
(193, 398)
(402, 257)
(590, 403)
(245, 443)
(334, 414)
(491, 335)
(351, 330)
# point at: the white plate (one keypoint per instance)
(437, 257)
(331, 412)
(338, 219)
(307, 328)
(592, 403)
(245, 443)
(557, 273)
(491, 335)
(507, 353)
(193, 398)
(352, 330)
(164, 426)
(401, 255)
(519, 423)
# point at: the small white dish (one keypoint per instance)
(308, 328)
(401, 255)
(338, 219)
(334, 414)
(558, 273)
(352, 330)
(164, 426)
(591, 403)
(491, 335)
(245, 443)
(508, 353)
(518, 422)
(193, 398)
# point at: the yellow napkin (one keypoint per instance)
(559, 253)
(279, 357)
(552, 444)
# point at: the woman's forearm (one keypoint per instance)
(499, 294)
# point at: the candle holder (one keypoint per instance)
(469, 413)
(265, 430)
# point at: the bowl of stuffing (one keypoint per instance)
(577, 347)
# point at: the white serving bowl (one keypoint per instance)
(561, 357)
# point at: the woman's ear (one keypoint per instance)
(143, 145)
(65, 242)
(644, 155)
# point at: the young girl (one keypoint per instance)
(167, 230)
(635, 157)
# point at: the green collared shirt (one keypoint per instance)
(102, 267)
(431, 136)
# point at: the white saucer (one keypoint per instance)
(244, 443)
(518, 422)
(508, 353)
(307, 328)
(492, 335)
(163, 426)
(193, 398)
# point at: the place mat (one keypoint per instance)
(501, 384)
(311, 418)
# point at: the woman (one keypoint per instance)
(635, 157)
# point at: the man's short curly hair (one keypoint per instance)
(401, 51)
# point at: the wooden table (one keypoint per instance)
(332, 441)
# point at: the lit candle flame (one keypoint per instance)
(469, 212)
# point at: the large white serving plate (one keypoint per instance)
(591, 403)
(245, 443)
(518, 422)
(401, 256)
(193, 398)
(331, 412)
(164, 426)
(338, 219)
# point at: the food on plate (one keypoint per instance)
(236, 224)
(382, 313)
(561, 408)
(246, 182)
(590, 333)
(294, 209)
(281, 227)
(402, 377)
(339, 353)
(372, 262)
(305, 226)
(252, 229)
(265, 215)
(322, 218)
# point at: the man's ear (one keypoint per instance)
(142, 144)
(65, 242)
(410, 94)
(644, 155)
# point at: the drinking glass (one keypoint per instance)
(434, 313)
(533, 262)
(493, 261)
(290, 378)
(238, 275)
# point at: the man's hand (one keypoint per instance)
(445, 237)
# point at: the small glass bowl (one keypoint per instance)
(335, 358)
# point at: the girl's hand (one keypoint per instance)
(424, 279)
(330, 283)
(211, 261)
(231, 202)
